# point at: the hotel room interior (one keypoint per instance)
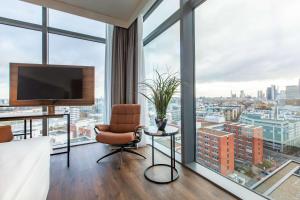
(149, 99)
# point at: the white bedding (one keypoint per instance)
(25, 169)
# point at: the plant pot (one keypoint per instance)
(161, 123)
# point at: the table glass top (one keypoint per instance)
(153, 131)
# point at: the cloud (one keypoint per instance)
(243, 45)
(241, 41)
(22, 45)
(163, 53)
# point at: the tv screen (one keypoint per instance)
(53, 83)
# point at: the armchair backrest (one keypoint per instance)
(125, 118)
(6, 134)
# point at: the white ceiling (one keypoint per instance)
(117, 12)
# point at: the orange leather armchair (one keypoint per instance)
(123, 131)
(6, 134)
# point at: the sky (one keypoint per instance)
(240, 45)
(21, 45)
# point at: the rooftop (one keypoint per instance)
(289, 189)
(283, 183)
(214, 132)
(243, 125)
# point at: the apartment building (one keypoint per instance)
(215, 149)
(248, 142)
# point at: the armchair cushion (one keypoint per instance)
(113, 138)
(6, 134)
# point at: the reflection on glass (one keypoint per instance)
(70, 51)
(165, 9)
(248, 93)
(19, 10)
(75, 23)
(158, 57)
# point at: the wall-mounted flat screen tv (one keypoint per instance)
(35, 84)
(50, 83)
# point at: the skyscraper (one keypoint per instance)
(242, 94)
(260, 94)
(271, 93)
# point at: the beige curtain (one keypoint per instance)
(124, 82)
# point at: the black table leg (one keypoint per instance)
(174, 151)
(172, 176)
(25, 129)
(30, 125)
(68, 132)
(152, 150)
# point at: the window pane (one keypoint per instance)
(16, 45)
(71, 51)
(22, 11)
(23, 46)
(75, 23)
(247, 93)
(163, 55)
(159, 15)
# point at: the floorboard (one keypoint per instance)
(87, 180)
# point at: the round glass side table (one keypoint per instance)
(162, 173)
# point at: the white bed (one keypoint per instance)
(25, 169)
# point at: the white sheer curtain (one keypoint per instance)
(141, 77)
(108, 63)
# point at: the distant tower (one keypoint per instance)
(271, 93)
(242, 94)
(260, 94)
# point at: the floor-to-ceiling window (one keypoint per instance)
(72, 51)
(162, 54)
(247, 93)
(246, 89)
(18, 45)
(72, 40)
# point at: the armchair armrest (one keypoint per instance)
(138, 127)
(138, 132)
(101, 127)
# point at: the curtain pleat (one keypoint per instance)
(124, 83)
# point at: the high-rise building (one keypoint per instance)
(215, 149)
(292, 92)
(271, 93)
(242, 94)
(248, 142)
(260, 94)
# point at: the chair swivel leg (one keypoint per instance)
(133, 152)
(111, 153)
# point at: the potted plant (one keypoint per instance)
(161, 89)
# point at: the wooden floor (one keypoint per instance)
(87, 180)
